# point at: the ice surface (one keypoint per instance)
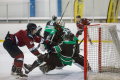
(67, 73)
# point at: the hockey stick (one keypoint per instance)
(64, 11)
(61, 17)
(81, 41)
(59, 22)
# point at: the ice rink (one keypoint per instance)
(67, 73)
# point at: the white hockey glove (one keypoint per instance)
(39, 29)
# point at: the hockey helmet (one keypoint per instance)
(54, 17)
(31, 26)
(69, 36)
(78, 16)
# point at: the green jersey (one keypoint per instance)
(50, 26)
(65, 51)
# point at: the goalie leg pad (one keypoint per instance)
(79, 59)
(45, 68)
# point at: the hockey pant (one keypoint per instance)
(14, 51)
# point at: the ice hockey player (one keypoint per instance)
(50, 26)
(80, 24)
(21, 38)
(52, 36)
(59, 37)
(58, 32)
(60, 55)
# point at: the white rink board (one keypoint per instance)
(13, 28)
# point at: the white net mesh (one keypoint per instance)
(104, 54)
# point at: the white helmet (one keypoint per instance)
(61, 23)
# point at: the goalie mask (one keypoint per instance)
(61, 23)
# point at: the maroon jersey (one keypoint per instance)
(81, 23)
(23, 37)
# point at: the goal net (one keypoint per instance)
(103, 55)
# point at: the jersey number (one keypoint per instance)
(51, 23)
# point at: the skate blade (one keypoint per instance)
(13, 73)
(19, 77)
(45, 73)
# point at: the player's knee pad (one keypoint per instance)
(19, 60)
(20, 57)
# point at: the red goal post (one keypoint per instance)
(85, 50)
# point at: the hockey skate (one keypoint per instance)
(27, 68)
(46, 68)
(88, 67)
(20, 74)
(13, 70)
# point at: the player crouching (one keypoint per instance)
(60, 56)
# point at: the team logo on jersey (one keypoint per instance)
(31, 43)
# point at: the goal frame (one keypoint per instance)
(100, 67)
(85, 50)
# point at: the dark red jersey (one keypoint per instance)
(80, 24)
(23, 37)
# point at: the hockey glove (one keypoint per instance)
(79, 32)
(39, 29)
